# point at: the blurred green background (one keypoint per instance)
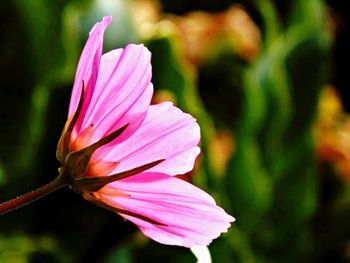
(266, 81)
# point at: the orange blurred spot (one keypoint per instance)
(201, 33)
(332, 133)
(221, 149)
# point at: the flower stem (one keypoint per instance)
(32, 196)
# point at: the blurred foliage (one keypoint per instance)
(251, 73)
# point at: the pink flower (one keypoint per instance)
(122, 153)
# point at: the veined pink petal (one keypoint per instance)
(125, 74)
(167, 133)
(133, 116)
(185, 215)
(122, 94)
(88, 68)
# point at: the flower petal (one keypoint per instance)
(187, 216)
(88, 66)
(167, 133)
(122, 94)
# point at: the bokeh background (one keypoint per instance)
(267, 82)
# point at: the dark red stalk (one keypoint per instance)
(36, 194)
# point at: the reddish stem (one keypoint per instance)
(32, 196)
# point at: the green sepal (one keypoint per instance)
(64, 141)
(92, 184)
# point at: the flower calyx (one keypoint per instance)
(93, 184)
(76, 163)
